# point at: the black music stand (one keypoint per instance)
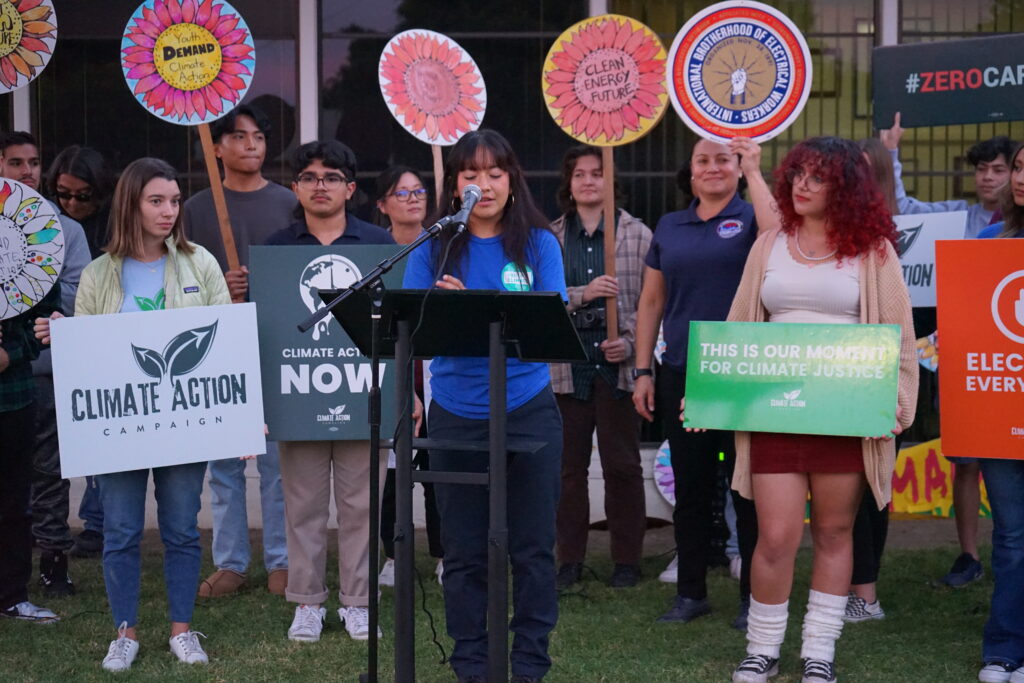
(531, 326)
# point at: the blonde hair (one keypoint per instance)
(125, 213)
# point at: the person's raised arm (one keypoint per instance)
(765, 210)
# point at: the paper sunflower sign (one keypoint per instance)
(739, 69)
(604, 80)
(28, 32)
(432, 86)
(187, 61)
(31, 248)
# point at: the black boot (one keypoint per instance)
(53, 574)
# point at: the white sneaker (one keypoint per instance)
(307, 624)
(121, 652)
(1017, 676)
(735, 566)
(671, 573)
(439, 571)
(26, 611)
(185, 646)
(356, 621)
(996, 672)
(387, 574)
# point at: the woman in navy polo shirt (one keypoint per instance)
(506, 246)
(692, 271)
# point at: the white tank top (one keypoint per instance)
(794, 292)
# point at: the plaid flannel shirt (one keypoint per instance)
(17, 386)
(632, 241)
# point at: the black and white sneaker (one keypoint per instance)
(756, 669)
(818, 671)
(858, 609)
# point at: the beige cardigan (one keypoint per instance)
(883, 299)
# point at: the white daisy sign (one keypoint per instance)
(31, 248)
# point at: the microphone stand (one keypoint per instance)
(373, 283)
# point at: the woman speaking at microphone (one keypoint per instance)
(505, 247)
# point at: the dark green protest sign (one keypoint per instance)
(793, 378)
(315, 385)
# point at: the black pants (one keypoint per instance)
(387, 511)
(49, 490)
(870, 529)
(17, 433)
(695, 463)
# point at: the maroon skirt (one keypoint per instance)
(772, 453)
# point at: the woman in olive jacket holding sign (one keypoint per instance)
(149, 265)
(833, 261)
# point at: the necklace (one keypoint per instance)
(796, 241)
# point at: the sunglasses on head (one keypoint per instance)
(77, 196)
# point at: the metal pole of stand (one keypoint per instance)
(405, 642)
(497, 534)
(376, 299)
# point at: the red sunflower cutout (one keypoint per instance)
(604, 80)
(28, 32)
(432, 86)
(187, 61)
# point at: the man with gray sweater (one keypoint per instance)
(257, 208)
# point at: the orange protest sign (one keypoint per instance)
(981, 332)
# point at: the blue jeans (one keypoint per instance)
(533, 488)
(90, 509)
(230, 521)
(123, 494)
(1004, 630)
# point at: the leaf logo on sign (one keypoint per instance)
(907, 238)
(183, 354)
(790, 395)
(337, 411)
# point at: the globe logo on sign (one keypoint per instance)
(325, 273)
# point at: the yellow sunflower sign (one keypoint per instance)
(28, 32)
(604, 80)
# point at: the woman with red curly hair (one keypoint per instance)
(832, 261)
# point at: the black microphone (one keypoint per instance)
(470, 196)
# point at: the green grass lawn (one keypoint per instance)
(930, 635)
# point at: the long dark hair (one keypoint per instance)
(1013, 213)
(520, 212)
(86, 164)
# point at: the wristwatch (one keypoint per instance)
(642, 372)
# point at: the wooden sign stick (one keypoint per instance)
(435, 150)
(219, 203)
(611, 303)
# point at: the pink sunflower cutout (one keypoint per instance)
(604, 80)
(28, 33)
(188, 61)
(432, 86)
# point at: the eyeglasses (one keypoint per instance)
(812, 182)
(82, 197)
(331, 181)
(409, 195)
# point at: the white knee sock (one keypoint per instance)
(766, 628)
(823, 625)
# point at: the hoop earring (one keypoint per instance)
(455, 204)
(511, 201)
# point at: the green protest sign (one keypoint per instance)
(793, 378)
(315, 385)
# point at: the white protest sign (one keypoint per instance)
(141, 390)
(916, 247)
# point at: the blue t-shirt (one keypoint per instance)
(994, 230)
(143, 285)
(460, 385)
(702, 262)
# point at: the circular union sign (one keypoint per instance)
(604, 80)
(432, 86)
(739, 69)
(188, 61)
